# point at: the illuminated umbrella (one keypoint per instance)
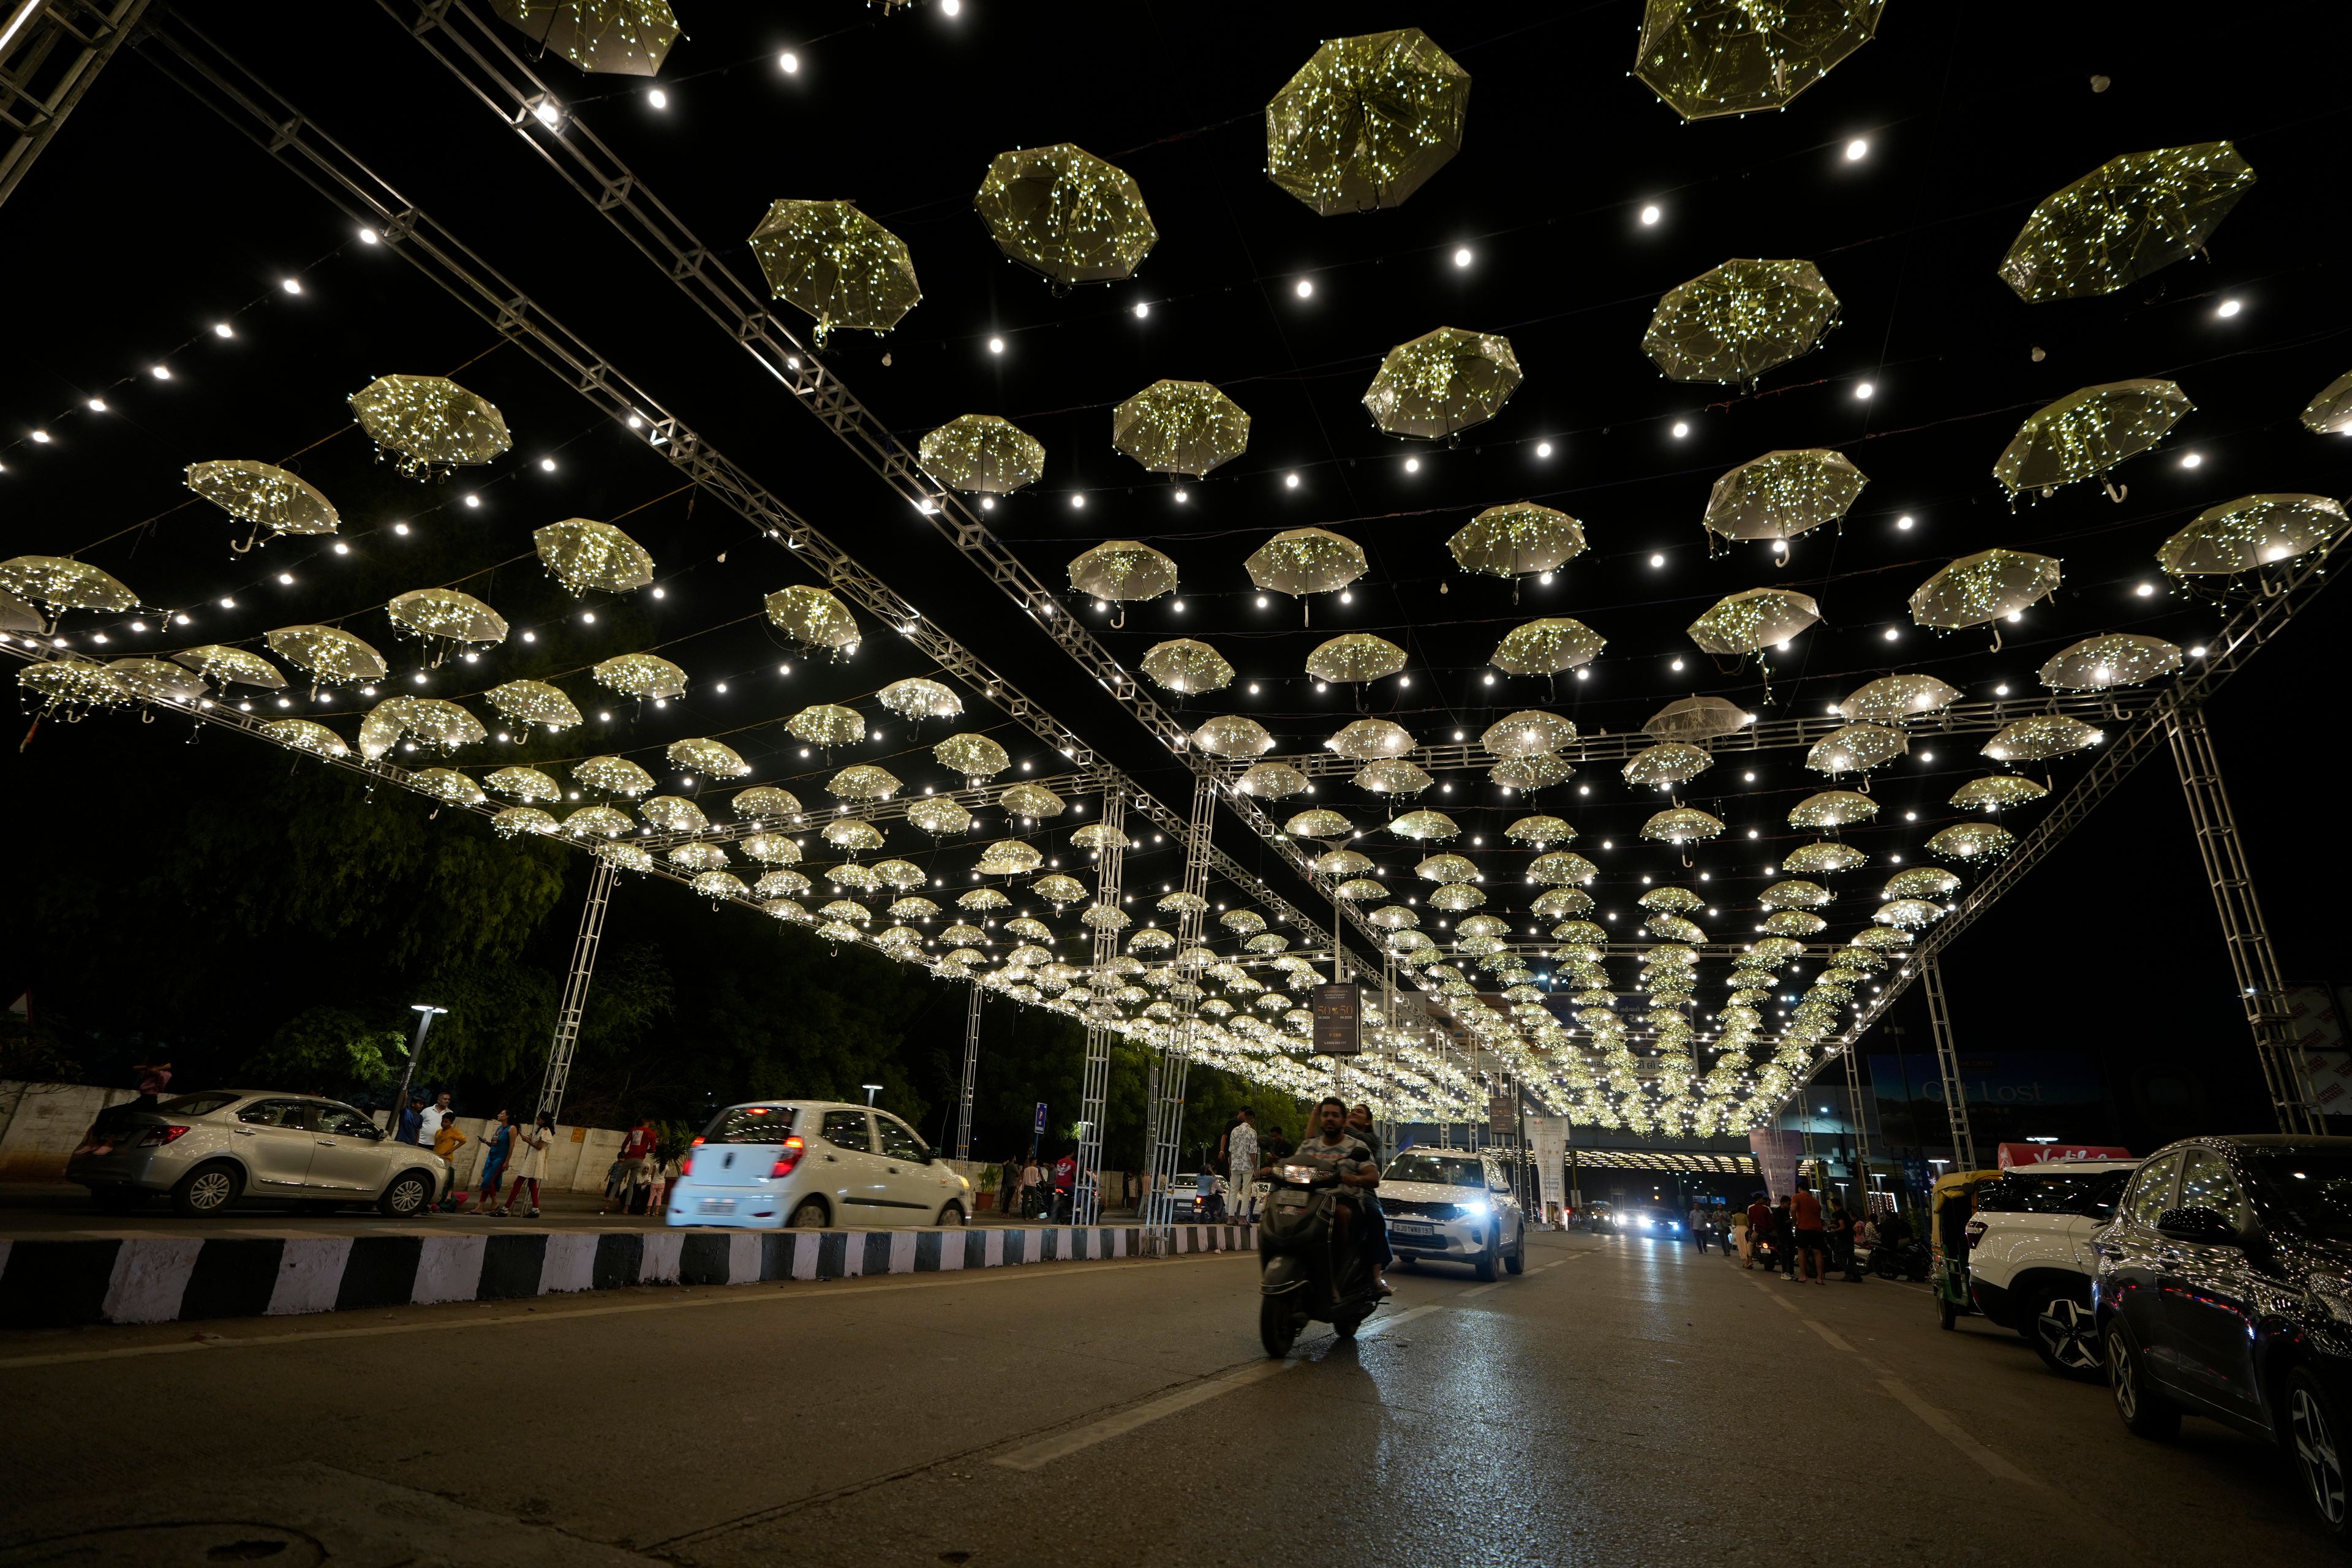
(627, 856)
(1180, 427)
(1977, 589)
(2041, 737)
(1516, 541)
(1320, 823)
(836, 264)
(1062, 211)
(1825, 857)
(827, 724)
(1456, 896)
(1997, 790)
(1539, 832)
(1783, 494)
(976, 757)
(2124, 220)
(1736, 322)
(640, 675)
(814, 618)
(1367, 739)
(863, 782)
(1058, 890)
(59, 583)
(1392, 776)
(583, 554)
(1547, 646)
(1427, 827)
(1972, 840)
(1833, 809)
(1362, 889)
(712, 758)
(597, 822)
(428, 721)
(1443, 383)
(1034, 803)
(1366, 121)
(2101, 663)
(1355, 657)
(1530, 772)
(1301, 561)
(1527, 734)
(1891, 698)
(1188, 666)
(264, 495)
(1671, 900)
(613, 775)
(900, 875)
(155, 681)
(1271, 781)
(2330, 412)
(1696, 718)
(1233, 736)
(676, 814)
(529, 702)
(982, 454)
(765, 802)
(1705, 57)
(327, 653)
(771, 850)
(225, 664)
(446, 785)
(447, 614)
(1561, 868)
(15, 615)
(1754, 620)
(1667, 763)
(615, 37)
(1682, 825)
(940, 817)
(982, 899)
(2251, 531)
(2086, 433)
(1921, 882)
(1856, 748)
(1242, 923)
(1121, 571)
(514, 821)
(429, 424)
(1796, 923)
(852, 836)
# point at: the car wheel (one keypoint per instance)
(1410, 1263)
(2145, 1412)
(2066, 1338)
(1946, 1315)
(952, 1215)
(809, 1214)
(1487, 1264)
(1518, 1261)
(2312, 1441)
(406, 1197)
(207, 1190)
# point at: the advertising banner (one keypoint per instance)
(2013, 1155)
(1548, 1137)
(1338, 1020)
(1777, 1153)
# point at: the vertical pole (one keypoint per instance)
(575, 988)
(1947, 1061)
(2262, 990)
(970, 1072)
(1094, 1094)
(1164, 1132)
(1853, 1110)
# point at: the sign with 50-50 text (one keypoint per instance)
(1338, 1020)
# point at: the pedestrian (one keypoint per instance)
(446, 1141)
(1241, 1165)
(1009, 1181)
(1759, 1228)
(1698, 1222)
(411, 1119)
(428, 1122)
(1066, 1184)
(530, 1161)
(1866, 1241)
(635, 1168)
(1809, 1234)
(664, 1173)
(1840, 1224)
(1784, 1240)
(497, 1141)
(1032, 1186)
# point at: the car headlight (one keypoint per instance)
(1303, 1174)
(1674, 1224)
(1476, 1208)
(2332, 1295)
(1649, 1225)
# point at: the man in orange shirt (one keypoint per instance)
(1812, 1236)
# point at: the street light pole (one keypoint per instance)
(425, 1012)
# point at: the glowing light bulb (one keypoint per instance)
(1856, 150)
(789, 63)
(1865, 391)
(1650, 215)
(1462, 257)
(1681, 429)
(996, 345)
(1306, 289)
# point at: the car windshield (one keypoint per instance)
(2311, 1193)
(751, 1124)
(1436, 1170)
(196, 1104)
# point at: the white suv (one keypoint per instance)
(2030, 1258)
(1453, 1205)
(770, 1164)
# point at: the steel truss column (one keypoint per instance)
(1852, 1054)
(50, 51)
(575, 987)
(1947, 1061)
(970, 1072)
(1094, 1094)
(1164, 1130)
(2262, 990)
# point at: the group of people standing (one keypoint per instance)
(1801, 1238)
(514, 1154)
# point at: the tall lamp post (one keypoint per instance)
(425, 1012)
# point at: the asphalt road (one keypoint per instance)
(1624, 1402)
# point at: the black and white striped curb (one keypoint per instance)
(54, 1282)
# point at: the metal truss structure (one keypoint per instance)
(1947, 1063)
(1163, 1137)
(574, 1005)
(50, 52)
(970, 1071)
(1094, 1092)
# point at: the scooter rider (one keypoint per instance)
(1334, 1149)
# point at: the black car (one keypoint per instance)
(2224, 1289)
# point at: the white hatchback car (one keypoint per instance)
(814, 1163)
(1452, 1205)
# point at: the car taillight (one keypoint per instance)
(157, 1137)
(686, 1166)
(1976, 1230)
(790, 1156)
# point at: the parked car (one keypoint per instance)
(211, 1150)
(810, 1164)
(1451, 1205)
(2224, 1289)
(2030, 1258)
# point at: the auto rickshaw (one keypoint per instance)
(1952, 1206)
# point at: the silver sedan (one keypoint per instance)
(210, 1149)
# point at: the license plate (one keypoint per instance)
(1405, 1228)
(718, 1205)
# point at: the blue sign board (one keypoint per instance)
(1041, 1117)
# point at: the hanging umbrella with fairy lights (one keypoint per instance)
(523, 703)
(1856, 748)
(2124, 220)
(1231, 735)
(1705, 57)
(430, 426)
(1530, 733)
(2104, 663)
(1187, 666)
(643, 675)
(1303, 561)
(1892, 698)
(918, 698)
(1753, 620)
(583, 553)
(982, 454)
(1184, 427)
(1833, 809)
(1355, 658)
(2250, 532)
(976, 757)
(1738, 321)
(58, 583)
(2086, 434)
(1122, 572)
(609, 37)
(1060, 211)
(814, 618)
(219, 663)
(445, 614)
(1666, 764)
(2041, 738)
(1696, 718)
(1270, 781)
(826, 725)
(264, 495)
(1781, 495)
(1366, 121)
(1547, 646)
(428, 721)
(1443, 383)
(712, 759)
(1972, 841)
(836, 264)
(1995, 791)
(1521, 540)
(1367, 740)
(1977, 590)
(328, 653)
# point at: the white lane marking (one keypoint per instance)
(1944, 1427)
(720, 1296)
(1036, 1456)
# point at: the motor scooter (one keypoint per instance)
(1299, 1280)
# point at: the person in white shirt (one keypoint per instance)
(529, 1161)
(434, 1115)
(1241, 1171)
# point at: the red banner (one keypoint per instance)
(2015, 1154)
